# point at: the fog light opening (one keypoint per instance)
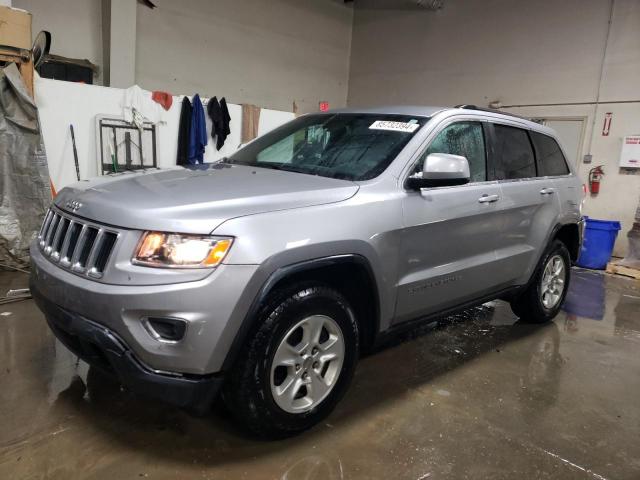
(165, 329)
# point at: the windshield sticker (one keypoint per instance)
(394, 126)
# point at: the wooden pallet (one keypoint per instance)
(622, 270)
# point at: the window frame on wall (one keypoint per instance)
(482, 123)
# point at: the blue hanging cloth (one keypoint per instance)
(198, 132)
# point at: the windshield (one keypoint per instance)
(350, 146)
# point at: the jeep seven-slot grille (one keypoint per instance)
(76, 245)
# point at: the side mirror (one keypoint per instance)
(439, 170)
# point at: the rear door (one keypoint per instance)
(447, 247)
(553, 165)
(529, 204)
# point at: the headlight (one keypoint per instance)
(174, 250)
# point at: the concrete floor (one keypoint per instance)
(477, 396)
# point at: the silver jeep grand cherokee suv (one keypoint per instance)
(265, 275)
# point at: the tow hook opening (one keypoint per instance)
(165, 329)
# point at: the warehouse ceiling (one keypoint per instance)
(399, 4)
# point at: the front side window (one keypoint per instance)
(551, 161)
(348, 146)
(513, 153)
(465, 139)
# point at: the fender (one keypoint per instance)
(552, 234)
(559, 225)
(251, 317)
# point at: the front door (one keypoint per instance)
(447, 248)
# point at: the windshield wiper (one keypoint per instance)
(287, 167)
(273, 166)
(284, 166)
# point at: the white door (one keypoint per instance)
(570, 134)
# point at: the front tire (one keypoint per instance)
(297, 364)
(541, 300)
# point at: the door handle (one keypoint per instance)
(547, 191)
(489, 198)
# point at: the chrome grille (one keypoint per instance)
(75, 244)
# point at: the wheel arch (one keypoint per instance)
(350, 274)
(569, 234)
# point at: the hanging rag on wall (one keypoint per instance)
(165, 99)
(198, 133)
(215, 114)
(184, 130)
(225, 130)
(138, 105)
(220, 119)
(250, 122)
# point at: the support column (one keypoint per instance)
(121, 47)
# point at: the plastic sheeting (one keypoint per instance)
(24, 176)
(632, 260)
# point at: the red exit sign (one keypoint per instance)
(324, 106)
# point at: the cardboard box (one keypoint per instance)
(15, 28)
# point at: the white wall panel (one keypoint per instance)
(61, 104)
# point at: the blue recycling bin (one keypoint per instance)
(597, 246)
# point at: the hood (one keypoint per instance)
(198, 199)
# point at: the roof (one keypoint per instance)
(430, 111)
(418, 111)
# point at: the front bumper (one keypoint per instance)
(105, 350)
(213, 308)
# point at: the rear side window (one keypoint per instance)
(551, 161)
(514, 153)
(462, 138)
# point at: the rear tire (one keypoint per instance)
(297, 364)
(541, 300)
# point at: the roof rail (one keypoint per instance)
(490, 110)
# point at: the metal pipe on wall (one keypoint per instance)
(602, 64)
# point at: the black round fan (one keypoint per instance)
(40, 48)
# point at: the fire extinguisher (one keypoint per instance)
(595, 175)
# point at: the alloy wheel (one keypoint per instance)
(553, 281)
(307, 364)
